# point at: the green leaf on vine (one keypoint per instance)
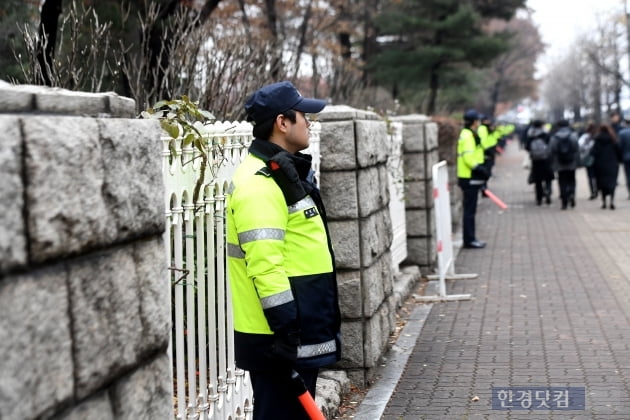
(170, 127)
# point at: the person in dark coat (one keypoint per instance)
(606, 157)
(615, 121)
(565, 158)
(541, 173)
(624, 145)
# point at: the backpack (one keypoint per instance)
(538, 149)
(565, 150)
(585, 144)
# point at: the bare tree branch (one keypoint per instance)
(593, 57)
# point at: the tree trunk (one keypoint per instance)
(617, 75)
(302, 41)
(344, 27)
(207, 10)
(434, 85)
(597, 94)
(51, 9)
(494, 96)
(369, 32)
(434, 75)
(159, 44)
(315, 76)
(272, 22)
(245, 20)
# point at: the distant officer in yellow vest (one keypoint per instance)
(281, 263)
(489, 137)
(471, 175)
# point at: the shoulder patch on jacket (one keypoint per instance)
(264, 171)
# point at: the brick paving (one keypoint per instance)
(551, 307)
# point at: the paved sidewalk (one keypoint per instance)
(551, 308)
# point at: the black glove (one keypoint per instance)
(480, 172)
(286, 176)
(283, 351)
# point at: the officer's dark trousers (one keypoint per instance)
(470, 195)
(275, 397)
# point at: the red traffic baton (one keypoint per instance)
(495, 199)
(305, 397)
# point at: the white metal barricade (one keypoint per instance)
(446, 258)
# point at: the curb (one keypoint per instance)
(374, 403)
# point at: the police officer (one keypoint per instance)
(489, 137)
(281, 263)
(471, 175)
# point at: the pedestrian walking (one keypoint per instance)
(541, 173)
(585, 144)
(616, 122)
(281, 262)
(624, 145)
(565, 156)
(606, 157)
(471, 175)
(522, 134)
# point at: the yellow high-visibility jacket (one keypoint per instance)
(281, 267)
(469, 153)
(489, 139)
(507, 129)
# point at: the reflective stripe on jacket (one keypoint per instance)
(281, 269)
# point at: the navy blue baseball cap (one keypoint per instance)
(471, 115)
(276, 98)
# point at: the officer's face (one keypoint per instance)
(298, 133)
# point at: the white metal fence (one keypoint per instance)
(207, 384)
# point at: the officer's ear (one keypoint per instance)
(282, 123)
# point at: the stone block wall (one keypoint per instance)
(420, 153)
(84, 308)
(354, 187)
